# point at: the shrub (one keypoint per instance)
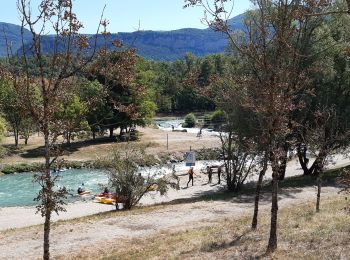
(207, 120)
(190, 120)
(131, 182)
(219, 117)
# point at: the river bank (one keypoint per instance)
(164, 145)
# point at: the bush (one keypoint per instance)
(218, 119)
(207, 120)
(22, 167)
(124, 173)
(190, 120)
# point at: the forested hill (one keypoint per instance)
(156, 45)
(10, 35)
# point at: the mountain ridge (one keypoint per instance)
(156, 45)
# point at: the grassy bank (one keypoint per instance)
(303, 234)
(36, 167)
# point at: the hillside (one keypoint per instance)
(11, 34)
(156, 45)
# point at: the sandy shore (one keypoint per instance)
(17, 217)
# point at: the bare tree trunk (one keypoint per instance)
(257, 196)
(93, 135)
(111, 129)
(26, 140)
(319, 186)
(283, 165)
(16, 134)
(272, 246)
(303, 160)
(47, 226)
(47, 189)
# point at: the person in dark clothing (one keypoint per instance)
(210, 174)
(190, 176)
(219, 174)
(81, 189)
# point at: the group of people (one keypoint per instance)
(209, 172)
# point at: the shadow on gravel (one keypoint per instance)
(289, 187)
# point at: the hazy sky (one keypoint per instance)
(125, 15)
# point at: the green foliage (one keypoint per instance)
(22, 167)
(207, 119)
(190, 120)
(219, 117)
(129, 181)
(2, 127)
(147, 110)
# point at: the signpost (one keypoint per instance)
(190, 158)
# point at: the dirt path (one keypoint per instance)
(68, 238)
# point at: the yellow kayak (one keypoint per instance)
(105, 200)
(153, 187)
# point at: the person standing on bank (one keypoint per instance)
(219, 174)
(190, 175)
(210, 174)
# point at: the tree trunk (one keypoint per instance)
(47, 225)
(319, 186)
(111, 129)
(68, 137)
(16, 134)
(257, 195)
(26, 140)
(303, 160)
(47, 190)
(93, 135)
(283, 165)
(272, 246)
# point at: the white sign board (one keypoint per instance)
(190, 158)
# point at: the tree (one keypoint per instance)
(2, 127)
(10, 108)
(28, 127)
(130, 178)
(127, 100)
(41, 91)
(274, 49)
(323, 127)
(93, 94)
(73, 114)
(190, 120)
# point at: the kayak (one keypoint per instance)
(104, 200)
(153, 187)
(84, 193)
(110, 195)
(58, 170)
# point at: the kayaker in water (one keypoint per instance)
(80, 189)
(105, 192)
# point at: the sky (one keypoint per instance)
(130, 15)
